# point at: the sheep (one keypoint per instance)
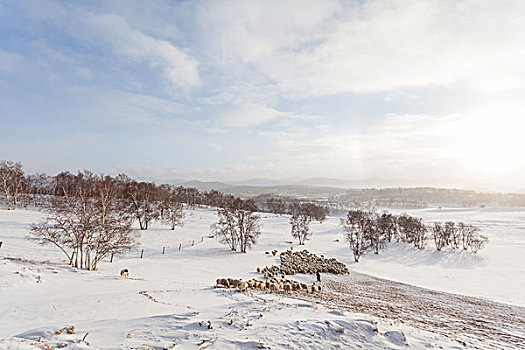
(243, 286)
(124, 273)
(287, 287)
(223, 282)
(234, 282)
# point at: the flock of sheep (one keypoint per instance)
(272, 285)
(303, 262)
(291, 263)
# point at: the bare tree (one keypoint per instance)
(249, 228)
(225, 228)
(372, 232)
(412, 230)
(238, 226)
(300, 228)
(141, 200)
(11, 180)
(477, 242)
(439, 234)
(466, 233)
(171, 208)
(387, 225)
(315, 211)
(276, 205)
(451, 234)
(190, 196)
(354, 226)
(87, 222)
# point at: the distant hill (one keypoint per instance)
(400, 197)
(342, 192)
(206, 185)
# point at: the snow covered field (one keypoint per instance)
(497, 272)
(170, 298)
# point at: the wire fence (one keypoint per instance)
(141, 253)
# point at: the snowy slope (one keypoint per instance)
(170, 298)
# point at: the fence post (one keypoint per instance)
(163, 250)
(1, 244)
(111, 260)
(202, 239)
(193, 243)
(180, 245)
(142, 253)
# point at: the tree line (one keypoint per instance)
(366, 230)
(90, 217)
(78, 208)
(145, 198)
(293, 206)
(239, 226)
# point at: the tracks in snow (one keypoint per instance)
(476, 322)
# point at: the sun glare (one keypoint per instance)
(492, 140)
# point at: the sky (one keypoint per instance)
(390, 92)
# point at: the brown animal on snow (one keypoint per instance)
(223, 282)
(243, 286)
(316, 288)
(124, 273)
(233, 282)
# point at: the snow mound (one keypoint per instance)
(396, 338)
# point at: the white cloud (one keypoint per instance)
(248, 115)
(251, 115)
(249, 30)
(404, 149)
(382, 45)
(111, 31)
(179, 69)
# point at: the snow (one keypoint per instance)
(169, 298)
(497, 272)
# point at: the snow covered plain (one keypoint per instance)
(170, 298)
